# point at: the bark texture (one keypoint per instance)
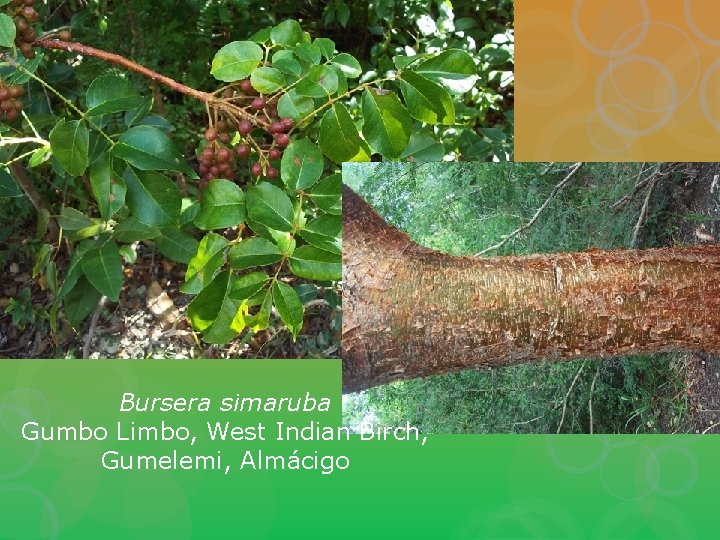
(412, 312)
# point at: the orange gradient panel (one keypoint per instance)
(617, 80)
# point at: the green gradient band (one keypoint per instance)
(460, 487)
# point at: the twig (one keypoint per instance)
(53, 43)
(539, 211)
(33, 196)
(716, 424)
(565, 400)
(643, 212)
(93, 327)
(592, 391)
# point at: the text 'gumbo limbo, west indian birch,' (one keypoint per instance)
(412, 312)
(289, 110)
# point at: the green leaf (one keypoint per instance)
(289, 307)
(222, 206)
(292, 105)
(132, 230)
(153, 199)
(453, 68)
(7, 31)
(176, 245)
(423, 148)
(326, 46)
(70, 143)
(302, 165)
(270, 206)
(309, 52)
(8, 186)
(214, 313)
(261, 320)
(138, 113)
(325, 233)
(287, 33)
(267, 80)
(387, 125)
(327, 194)
(148, 149)
(236, 60)
(262, 35)
(102, 267)
(40, 156)
(108, 190)
(81, 301)
(247, 286)
(110, 94)
(42, 259)
(494, 134)
(425, 100)
(209, 258)
(74, 271)
(286, 62)
(339, 138)
(313, 263)
(254, 251)
(472, 147)
(74, 220)
(320, 82)
(348, 64)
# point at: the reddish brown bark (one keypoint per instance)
(411, 312)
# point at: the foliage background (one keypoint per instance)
(179, 39)
(464, 208)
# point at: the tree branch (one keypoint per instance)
(530, 223)
(53, 43)
(33, 195)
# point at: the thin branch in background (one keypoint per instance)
(33, 196)
(539, 211)
(93, 327)
(653, 180)
(565, 399)
(592, 391)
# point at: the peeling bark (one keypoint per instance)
(411, 312)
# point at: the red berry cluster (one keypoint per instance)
(263, 136)
(24, 14)
(217, 159)
(10, 102)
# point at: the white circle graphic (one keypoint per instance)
(604, 52)
(666, 75)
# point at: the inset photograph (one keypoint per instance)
(532, 297)
(179, 197)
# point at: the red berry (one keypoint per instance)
(224, 138)
(258, 104)
(272, 172)
(282, 140)
(276, 127)
(245, 127)
(275, 153)
(256, 169)
(11, 115)
(224, 154)
(246, 86)
(243, 151)
(288, 123)
(16, 91)
(211, 134)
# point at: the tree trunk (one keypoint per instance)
(412, 312)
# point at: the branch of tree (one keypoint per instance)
(643, 212)
(565, 400)
(33, 195)
(539, 211)
(93, 327)
(54, 43)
